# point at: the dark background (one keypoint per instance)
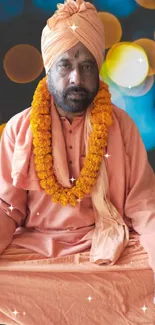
(26, 29)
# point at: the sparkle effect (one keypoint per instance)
(72, 179)
(38, 213)
(11, 208)
(140, 60)
(107, 156)
(144, 308)
(74, 27)
(89, 298)
(15, 312)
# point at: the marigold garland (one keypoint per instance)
(2, 126)
(40, 121)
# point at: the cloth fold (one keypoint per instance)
(74, 21)
(68, 9)
(110, 229)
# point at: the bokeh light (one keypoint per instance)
(10, 9)
(116, 95)
(141, 109)
(117, 98)
(141, 89)
(119, 8)
(105, 77)
(104, 74)
(148, 132)
(127, 64)
(47, 5)
(148, 4)
(148, 46)
(112, 29)
(23, 63)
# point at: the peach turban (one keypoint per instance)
(73, 22)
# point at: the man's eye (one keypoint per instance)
(87, 67)
(65, 66)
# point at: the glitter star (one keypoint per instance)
(74, 27)
(38, 213)
(107, 156)
(15, 312)
(11, 208)
(72, 179)
(140, 60)
(89, 298)
(24, 313)
(144, 308)
(129, 86)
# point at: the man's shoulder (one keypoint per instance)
(120, 113)
(16, 122)
(19, 116)
(128, 128)
(124, 119)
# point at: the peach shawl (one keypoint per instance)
(110, 229)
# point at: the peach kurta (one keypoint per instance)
(53, 230)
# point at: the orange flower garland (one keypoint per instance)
(40, 121)
(2, 126)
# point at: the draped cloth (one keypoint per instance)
(110, 229)
(59, 36)
(73, 22)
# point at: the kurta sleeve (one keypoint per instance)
(140, 200)
(13, 200)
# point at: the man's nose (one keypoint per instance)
(75, 77)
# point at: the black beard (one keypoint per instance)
(73, 105)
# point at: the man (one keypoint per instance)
(59, 193)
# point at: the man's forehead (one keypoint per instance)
(75, 52)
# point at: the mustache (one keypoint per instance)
(76, 89)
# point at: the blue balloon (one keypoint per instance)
(47, 5)
(119, 8)
(10, 9)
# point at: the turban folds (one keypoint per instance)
(73, 22)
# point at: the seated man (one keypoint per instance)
(74, 172)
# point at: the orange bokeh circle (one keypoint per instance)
(112, 29)
(23, 63)
(148, 4)
(148, 46)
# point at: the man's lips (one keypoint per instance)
(77, 94)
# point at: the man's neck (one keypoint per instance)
(70, 116)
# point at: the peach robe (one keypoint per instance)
(53, 230)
